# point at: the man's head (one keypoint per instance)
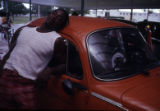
(57, 20)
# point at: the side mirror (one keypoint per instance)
(68, 87)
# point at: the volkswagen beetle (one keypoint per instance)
(109, 66)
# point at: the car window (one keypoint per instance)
(118, 53)
(66, 53)
(74, 66)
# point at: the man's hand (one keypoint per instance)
(43, 77)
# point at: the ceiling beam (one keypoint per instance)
(98, 4)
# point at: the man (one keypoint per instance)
(26, 62)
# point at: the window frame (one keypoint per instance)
(89, 56)
(68, 42)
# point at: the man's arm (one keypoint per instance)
(59, 53)
(57, 66)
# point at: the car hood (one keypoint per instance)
(144, 96)
(139, 93)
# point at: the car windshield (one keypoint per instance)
(118, 53)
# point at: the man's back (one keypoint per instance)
(36, 48)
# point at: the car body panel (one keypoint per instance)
(137, 92)
(126, 94)
(145, 95)
(79, 27)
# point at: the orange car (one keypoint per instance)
(109, 66)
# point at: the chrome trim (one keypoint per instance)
(108, 100)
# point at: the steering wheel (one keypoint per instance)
(118, 59)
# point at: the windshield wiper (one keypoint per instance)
(141, 70)
(152, 65)
(145, 72)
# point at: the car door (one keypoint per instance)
(68, 91)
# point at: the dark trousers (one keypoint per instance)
(17, 92)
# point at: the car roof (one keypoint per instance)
(79, 27)
(125, 21)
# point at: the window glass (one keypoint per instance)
(118, 53)
(74, 66)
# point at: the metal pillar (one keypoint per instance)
(82, 7)
(96, 12)
(131, 14)
(5, 5)
(30, 10)
(147, 14)
(39, 14)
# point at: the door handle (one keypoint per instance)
(68, 87)
(79, 86)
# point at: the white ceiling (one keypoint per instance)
(98, 4)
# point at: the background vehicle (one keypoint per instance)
(125, 21)
(109, 66)
(151, 32)
(154, 28)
